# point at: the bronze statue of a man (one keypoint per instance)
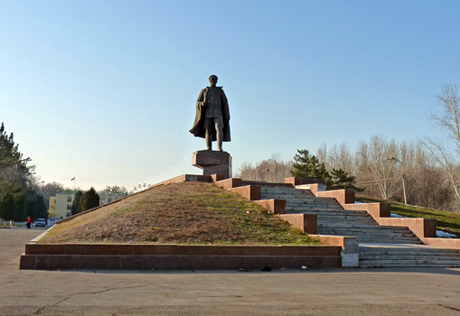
(212, 115)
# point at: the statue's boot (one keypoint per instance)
(219, 141)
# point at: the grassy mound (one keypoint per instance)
(445, 221)
(182, 213)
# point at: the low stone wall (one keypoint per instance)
(376, 210)
(421, 227)
(181, 257)
(450, 243)
(342, 196)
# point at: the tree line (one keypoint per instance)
(370, 170)
(19, 193)
(85, 201)
(22, 195)
(425, 172)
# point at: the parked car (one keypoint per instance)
(40, 222)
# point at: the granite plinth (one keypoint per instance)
(213, 162)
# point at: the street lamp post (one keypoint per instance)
(402, 176)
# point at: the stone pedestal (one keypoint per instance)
(213, 162)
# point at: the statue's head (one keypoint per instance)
(213, 80)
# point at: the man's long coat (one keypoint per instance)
(198, 129)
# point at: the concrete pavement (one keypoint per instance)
(325, 292)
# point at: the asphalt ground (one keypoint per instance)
(310, 292)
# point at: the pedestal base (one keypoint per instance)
(213, 162)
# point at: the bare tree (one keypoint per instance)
(447, 120)
(50, 189)
(271, 170)
(374, 167)
(447, 161)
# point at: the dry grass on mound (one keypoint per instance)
(183, 213)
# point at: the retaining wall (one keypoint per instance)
(181, 257)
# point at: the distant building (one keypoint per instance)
(63, 203)
(105, 198)
(52, 210)
(63, 206)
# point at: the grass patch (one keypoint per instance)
(445, 221)
(182, 213)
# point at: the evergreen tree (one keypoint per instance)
(33, 205)
(40, 206)
(308, 166)
(18, 195)
(341, 179)
(19, 202)
(13, 168)
(77, 202)
(7, 207)
(89, 200)
(20, 206)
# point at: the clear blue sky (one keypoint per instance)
(105, 90)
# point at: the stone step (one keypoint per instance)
(305, 196)
(390, 238)
(323, 211)
(379, 238)
(284, 187)
(320, 207)
(325, 217)
(303, 203)
(407, 264)
(327, 212)
(408, 257)
(300, 201)
(376, 238)
(366, 231)
(311, 207)
(368, 234)
(343, 221)
(338, 220)
(288, 191)
(310, 204)
(364, 227)
(265, 184)
(346, 220)
(316, 209)
(382, 256)
(405, 252)
(396, 241)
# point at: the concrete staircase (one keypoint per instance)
(380, 246)
(394, 255)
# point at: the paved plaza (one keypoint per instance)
(310, 292)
